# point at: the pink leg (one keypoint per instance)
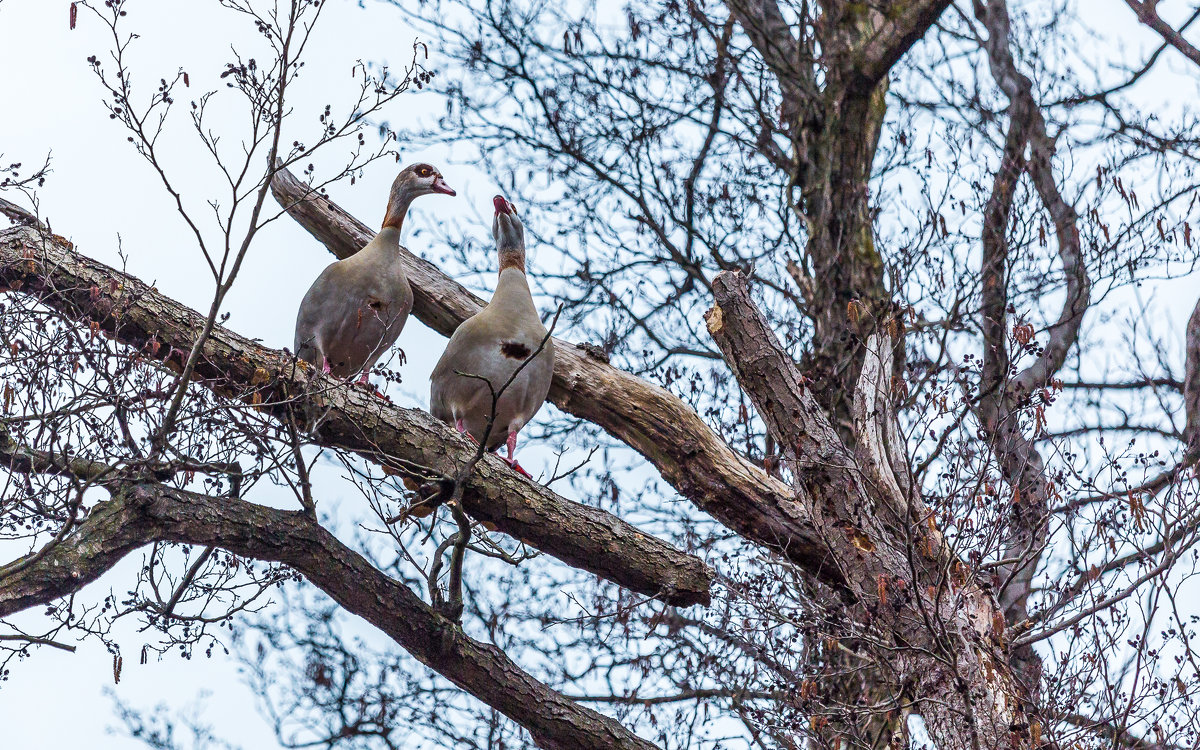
(362, 379)
(325, 368)
(462, 429)
(512, 456)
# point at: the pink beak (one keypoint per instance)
(440, 186)
(502, 206)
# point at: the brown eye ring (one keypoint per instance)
(424, 171)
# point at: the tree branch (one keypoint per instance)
(1191, 385)
(1002, 397)
(406, 440)
(768, 31)
(143, 513)
(906, 22)
(1147, 13)
(955, 660)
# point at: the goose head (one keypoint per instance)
(413, 182)
(509, 234)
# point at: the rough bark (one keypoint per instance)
(406, 440)
(143, 513)
(1191, 383)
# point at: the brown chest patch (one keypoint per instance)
(514, 350)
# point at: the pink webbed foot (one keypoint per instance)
(517, 467)
(325, 368)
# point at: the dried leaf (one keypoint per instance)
(1023, 333)
(420, 510)
(1137, 508)
(854, 311)
(808, 688)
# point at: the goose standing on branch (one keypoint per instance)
(490, 347)
(356, 308)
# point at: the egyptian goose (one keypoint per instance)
(493, 344)
(357, 307)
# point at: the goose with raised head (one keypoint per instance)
(356, 308)
(502, 338)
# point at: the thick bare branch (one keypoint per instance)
(1191, 382)
(880, 446)
(406, 440)
(905, 23)
(1028, 122)
(771, 377)
(143, 513)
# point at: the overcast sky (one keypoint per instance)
(104, 199)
